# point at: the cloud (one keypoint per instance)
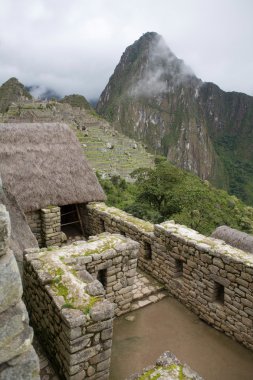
(163, 71)
(74, 46)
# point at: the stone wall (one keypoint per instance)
(45, 224)
(18, 359)
(68, 305)
(51, 226)
(98, 218)
(210, 277)
(34, 221)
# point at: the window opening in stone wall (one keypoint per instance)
(218, 293)
(147, 251)
(102, 225)
(179, 268)
(71, 223)
(102, 276)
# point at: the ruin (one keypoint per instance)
(208, 276)
(42, 164)
(71, 310)
(73, 292)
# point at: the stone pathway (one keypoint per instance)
(146, 291)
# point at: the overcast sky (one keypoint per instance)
(73, 46)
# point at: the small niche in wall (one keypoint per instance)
(102, 277)
(179, 268)
(122, 233)
(147, 251)
(218, 293)
(102, 225)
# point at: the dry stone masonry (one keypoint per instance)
(210, 277)
(46, 225)
(73, 293)
(51, 225)
(18, 359)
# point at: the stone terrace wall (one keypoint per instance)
(67, 305)
(18, 359)
(208, 276)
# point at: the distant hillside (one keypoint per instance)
(12, 91)
(108, 151)
(154, 97)
(166, 192)
(76, 101)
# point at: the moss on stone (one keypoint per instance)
(92, 301)
(176, 370)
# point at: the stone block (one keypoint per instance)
(22, 367)
(101, 311)
(5, 230)
(10, 282)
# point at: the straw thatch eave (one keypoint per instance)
(235, 238)
(43, 164)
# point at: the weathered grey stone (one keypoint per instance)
(16, 345)
(5, 230)
(95, 288)
(23, 367)
(10, 282)
(73, 317)
(85, 276)
(102, 310)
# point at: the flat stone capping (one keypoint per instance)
(167, 367)
(212, 246)
(68, 305)
(122, 216)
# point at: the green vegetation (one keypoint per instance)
(76, 100)
(92, 301)
(173, 369)
(12, 91)
(166, 192)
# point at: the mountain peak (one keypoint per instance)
(12, 91)
(147, 68)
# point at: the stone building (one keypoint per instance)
(46, 175)
(74, 292)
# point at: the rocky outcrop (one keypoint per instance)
(167, 367)
(154, 97)
(18, 359)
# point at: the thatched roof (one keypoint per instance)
(43, 164)
(235, 238)
(21, 234)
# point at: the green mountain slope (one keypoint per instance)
(12, 91)
(76, 100)
(154, 97)
(108, 151)
(167, 192)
